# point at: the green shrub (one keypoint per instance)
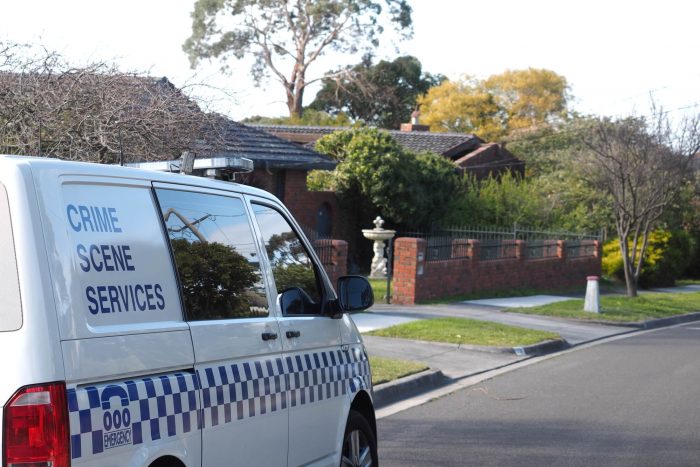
(666, 259)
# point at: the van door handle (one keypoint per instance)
(269, 336)
(292, 334)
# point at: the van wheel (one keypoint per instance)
(359, 445)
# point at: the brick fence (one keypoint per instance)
(416, 279)
(334, 257)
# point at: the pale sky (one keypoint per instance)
(614, 53)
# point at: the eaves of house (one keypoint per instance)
(265, 149)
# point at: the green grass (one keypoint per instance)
(389, 369)
(465, 331)
(620, 308)
(379, 289)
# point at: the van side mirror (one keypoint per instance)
(354, 293)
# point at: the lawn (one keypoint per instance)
(465, 331)
(379, 289)
(389, 369)
(620, 308)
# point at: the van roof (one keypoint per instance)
(61, 167)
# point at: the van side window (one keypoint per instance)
(215, 255)
(290, 262)
(10, 303)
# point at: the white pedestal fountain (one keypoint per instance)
(379, 235)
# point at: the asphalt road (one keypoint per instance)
(634, 401)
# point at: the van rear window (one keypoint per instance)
(10, 303)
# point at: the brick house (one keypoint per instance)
(469, 152)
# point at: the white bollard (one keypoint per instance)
(592, 302)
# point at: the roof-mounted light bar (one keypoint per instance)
(216, 167)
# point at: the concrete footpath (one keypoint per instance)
(450, 363)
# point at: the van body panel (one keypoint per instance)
(244, 392)
(128, 422)
(107, 252)
(318, 368)
(133, 354)
(238, 358)
(32, 354)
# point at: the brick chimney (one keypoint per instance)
(414, 126)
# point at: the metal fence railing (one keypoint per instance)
(535, 249)
(516, 232)
(500, 243)
(579, 248)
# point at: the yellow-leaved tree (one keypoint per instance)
(495, 107)
(529, 97)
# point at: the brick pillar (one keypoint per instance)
(340, 257)
(460, 248)
(334, 257)
(561, 249)
(474, 248)
(520, 249)
(406, 269)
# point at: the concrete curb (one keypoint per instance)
(649, 324)
(670, 321)
(393, 391)
(542, 348)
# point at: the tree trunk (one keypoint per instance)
(630, 279)
(294, 103)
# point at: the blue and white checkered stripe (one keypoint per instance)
(132, 412)
(323, 375)
(242, 390)
(152, 408)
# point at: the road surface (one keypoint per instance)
(633, 401)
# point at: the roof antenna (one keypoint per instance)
(40, 138)
(121, 149)
(187, 162)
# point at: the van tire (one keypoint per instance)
(167, 461)
(359, 445)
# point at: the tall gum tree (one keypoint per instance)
(284, 37)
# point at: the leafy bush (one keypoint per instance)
(667, 256)
(377, 175)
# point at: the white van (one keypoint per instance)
(155, 319)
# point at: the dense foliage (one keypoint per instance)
(310, 117)
(382, 94)
(375, 175)
(667, 257)
(495, 107)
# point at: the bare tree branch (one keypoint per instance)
(641, 162)
(93, 113)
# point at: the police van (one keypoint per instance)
(157, 319)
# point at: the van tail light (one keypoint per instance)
(35, 427)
